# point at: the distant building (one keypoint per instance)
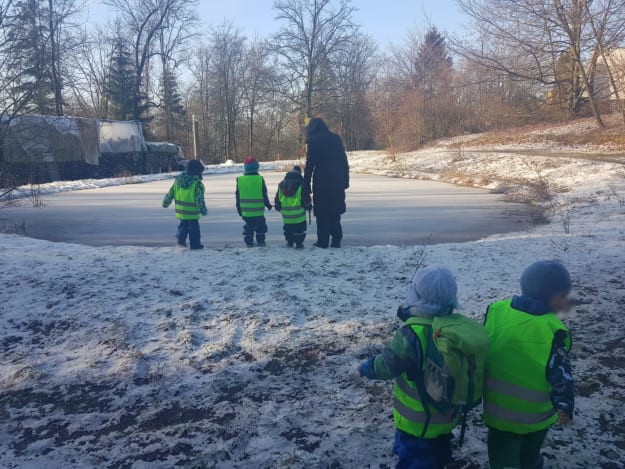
(602, 84)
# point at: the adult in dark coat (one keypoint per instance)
(327, 167)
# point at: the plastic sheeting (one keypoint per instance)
(121, 137)
(54, 139)
(48, 139)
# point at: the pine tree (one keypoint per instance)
(28, 34)
(120, 87)
(434, 75)
(171, 103)
(434, 64)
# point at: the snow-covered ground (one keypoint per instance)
(156, 358)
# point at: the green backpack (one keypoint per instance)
(453, 374)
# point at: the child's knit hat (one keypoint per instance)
(250, 165)
(433, 291)
(296, 169)
(542, 280)
(195, 168)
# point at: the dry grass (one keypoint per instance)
(613, 135)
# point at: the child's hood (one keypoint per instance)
(185, 180)
(291, 184)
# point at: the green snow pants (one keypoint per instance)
(514, 451)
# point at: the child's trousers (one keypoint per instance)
(419, 453)
(515, 451)
(253, 225)
(190, 228)
(295, 234)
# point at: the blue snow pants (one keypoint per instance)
(419, 453)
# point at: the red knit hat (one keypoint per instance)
(250, 165)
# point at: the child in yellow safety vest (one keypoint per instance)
(290, 203)
(252, 199)
(423, 436)
(188, 193)
(528, 383)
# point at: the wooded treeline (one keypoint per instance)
(523, 61)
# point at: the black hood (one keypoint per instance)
(316, 126)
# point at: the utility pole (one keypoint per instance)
(195, 120)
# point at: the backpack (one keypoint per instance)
(452, 379)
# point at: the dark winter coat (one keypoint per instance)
(327, 168)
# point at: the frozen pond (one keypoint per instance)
(381, 211)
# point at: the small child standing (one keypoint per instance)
(252, 199)
(188, 193)
(528, 383)
(423, 437)
(289, 202)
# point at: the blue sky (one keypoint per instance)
(386, 20)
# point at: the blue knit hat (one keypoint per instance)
(250, 165)
(544, 279)
(433, 291)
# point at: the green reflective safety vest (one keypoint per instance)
(292, 210)
(251, 198)
(408, 411)
(186, 206)
(517, 394)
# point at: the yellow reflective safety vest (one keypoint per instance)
(186, 205)
(517, 394)
(408, 411)
(251, 198)
(292, 211)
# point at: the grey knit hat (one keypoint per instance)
(433, 291)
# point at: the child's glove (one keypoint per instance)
(269, 207)
(204, 212)
(367, 369)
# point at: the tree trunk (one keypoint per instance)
(54, 58)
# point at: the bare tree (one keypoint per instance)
(607, 21)
(92, 69)
(227, 69)
(547, 41)
(313, 35)
(179, 29)
(354, 77)
(259, 85)
(144, 20)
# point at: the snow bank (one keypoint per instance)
(137, 357)
(64, 186)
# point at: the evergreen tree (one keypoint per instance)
(433, 80)
(434, 64)
(28, 34)
(120, 87)
(173, 111)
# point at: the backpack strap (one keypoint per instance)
(420, 377)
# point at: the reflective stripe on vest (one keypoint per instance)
(517, 394)
(292, 211)
(251, 198)
(186, 206)
(408, 411)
